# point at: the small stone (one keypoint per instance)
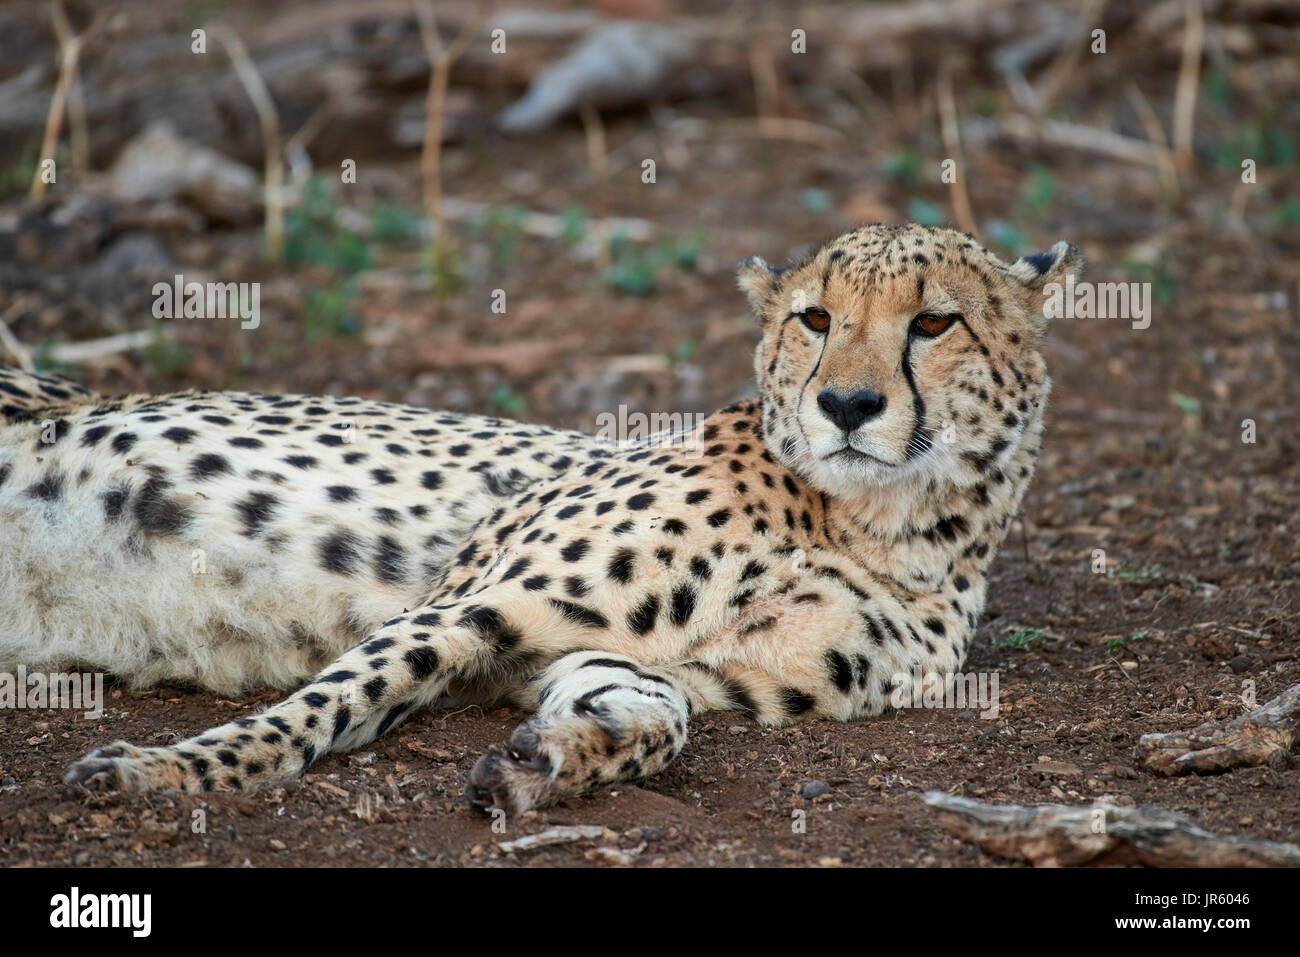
(815, 789)
(278, 845)
(1241, 663)
(653, 834)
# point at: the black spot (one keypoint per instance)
(580, 614)
(49, 488)
(245, 442)
(207, 465)
(796, 702)
(92, 435)
(642, 618)
(491, 626)
(179, 434)
(341, 719)
(536, 583)
(123, 442)
(622, 565)
(840, 669)
(683, 604)
(341, 493)
(640, 501)
(422, 662)
(575, 550)
(390, 560)
(156, 512)
(256, 511)
(340, 552)
(699, 495)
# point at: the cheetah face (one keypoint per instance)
(901, 353)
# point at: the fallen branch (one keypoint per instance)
(1055, 835)
(1264, 736)
(1072, 136)
(22, 355)
(92, 349)
(556, 835)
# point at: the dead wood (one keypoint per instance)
(1055, 835)
(1264, 736)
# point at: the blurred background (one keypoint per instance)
(535, 211)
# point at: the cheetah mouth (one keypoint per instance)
(848, 453)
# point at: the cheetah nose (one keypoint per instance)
(850, 411)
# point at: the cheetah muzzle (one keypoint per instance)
(804, 555)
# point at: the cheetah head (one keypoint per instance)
(895, 354)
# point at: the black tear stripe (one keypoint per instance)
(917, 442)
(826, 342)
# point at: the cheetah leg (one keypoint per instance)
(404, 665)
(600, 718)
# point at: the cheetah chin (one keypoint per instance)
(829, 545)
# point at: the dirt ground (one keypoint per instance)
(1144, 461)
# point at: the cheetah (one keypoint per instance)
(805, 555)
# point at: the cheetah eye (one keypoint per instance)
(929, 324)
(817, 319)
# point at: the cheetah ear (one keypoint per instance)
(1052, 265)
(758, 281)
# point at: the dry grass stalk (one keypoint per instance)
(598, 160)
(270, 125)
(952, 145)
(70, 46)
(440, 62)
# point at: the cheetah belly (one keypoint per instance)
(182, 581)
(207, 607)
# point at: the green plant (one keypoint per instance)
(573, 225)
(395, 224)
(503, 227)
(903, 167)
(330, 311)
(1020, 639)
(1004, 234)
(1164, 284)
(1127, 574)
(164, 356)
(312, 235)
(925, 212)
(445, 265)
(1117, 643)
(508, 402)
(634, 271)
(1038, 192)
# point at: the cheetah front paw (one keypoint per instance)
(125, 768)
(517, 777)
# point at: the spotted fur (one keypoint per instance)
(798, 560)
